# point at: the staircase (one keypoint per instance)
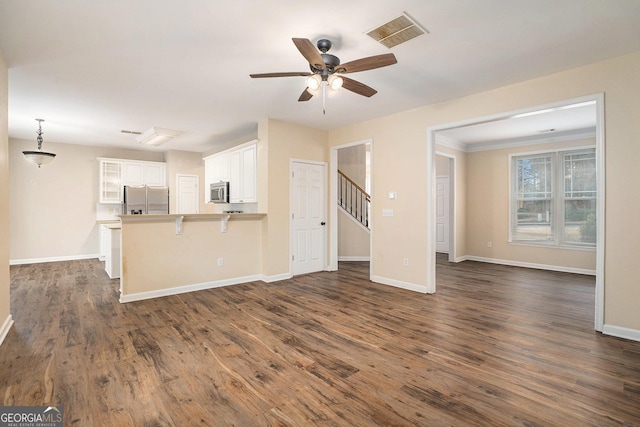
(353, 199)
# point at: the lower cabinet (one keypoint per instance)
(110, 249)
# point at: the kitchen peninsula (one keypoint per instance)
(176, 253)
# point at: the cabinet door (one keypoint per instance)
(235, 177)
(110, 181)
(155, 174)
(249, 174)
(133, 173)
(220, 165)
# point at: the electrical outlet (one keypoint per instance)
(220, 262)
(405, 262)
(489, 244)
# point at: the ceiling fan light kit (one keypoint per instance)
(326, 70)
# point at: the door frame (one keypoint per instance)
(452, 203)
(600, 200)
(333, 204)
(197, 177)
(324, 204)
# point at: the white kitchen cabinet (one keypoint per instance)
(110, 181)
(145, 173)
(133, 173)
(242, 176)
(116, 173)
(104, 243)
(238, 167)
(155, 174)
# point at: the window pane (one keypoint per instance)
(533, 220)
(580, 222)
(580, 175)
(533, 178)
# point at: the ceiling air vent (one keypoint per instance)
(397, 31)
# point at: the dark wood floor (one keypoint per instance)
(495, 346)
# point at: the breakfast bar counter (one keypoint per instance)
(175, 253)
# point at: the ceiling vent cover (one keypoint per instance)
(397, 31)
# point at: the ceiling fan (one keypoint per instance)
(327, 68)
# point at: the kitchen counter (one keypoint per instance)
(167, 254)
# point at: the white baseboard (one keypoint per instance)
(399, 284)
(528, 265)
(52, 259)
(620, 332)
(4, 330)
(188, 288)
(276, 278)
(354, 258)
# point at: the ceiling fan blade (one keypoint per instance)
(357, 87)
(305, 95)
(369, 63)
(309, 51)
(292, 74)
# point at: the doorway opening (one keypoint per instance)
(505, 124)
(351, 230)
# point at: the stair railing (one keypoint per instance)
(353, 199)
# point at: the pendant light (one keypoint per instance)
(39, 157)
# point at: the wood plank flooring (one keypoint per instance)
(495, 346)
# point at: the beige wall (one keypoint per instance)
(353, 240)
(279, 143)
(352, 162)
(155, 258)
(4, 198)
(399, 139)
(488, 211)
(53, 208)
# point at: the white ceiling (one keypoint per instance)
(94, 68)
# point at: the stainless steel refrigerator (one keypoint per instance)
(142, 200)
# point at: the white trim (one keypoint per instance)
(453, 197)
(354, 258)
(6, 326)
(355, 221)
(188, 288)
(325, 168)
(559, 268)
(600, 202)
(400, 284)
(177, 204)
(531, 140)
(276, 278)
(52, 259)
(333, 203)
(620, 332)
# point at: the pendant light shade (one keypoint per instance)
(39, 157)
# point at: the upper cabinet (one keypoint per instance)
(110, 181)
(238, 167)
(116, 173)
(144, 173)
(242, 177)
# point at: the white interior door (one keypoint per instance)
(308, 217)
(187, 194)
(442, 214)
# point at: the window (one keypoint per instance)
(553, 198)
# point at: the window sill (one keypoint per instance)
(553, 246)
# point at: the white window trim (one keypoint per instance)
(556, 243)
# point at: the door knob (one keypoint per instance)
(322, 223)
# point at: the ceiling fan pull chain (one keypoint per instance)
(324, 95)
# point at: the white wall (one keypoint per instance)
(5, 282)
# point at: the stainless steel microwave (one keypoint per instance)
(220, 192)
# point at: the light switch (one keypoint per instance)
(387, 212)
(392, 195)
